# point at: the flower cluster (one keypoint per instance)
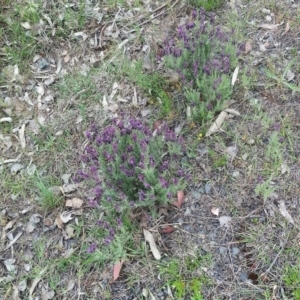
(128, 166)
(203, 55)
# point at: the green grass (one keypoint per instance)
(47, 197)
(152, 83)
(207, 4)
(291, 279)
(180, 275)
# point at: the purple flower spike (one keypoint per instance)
(92, 248)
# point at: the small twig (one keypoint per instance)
(275, 259)
(7, 161)
(162, 13)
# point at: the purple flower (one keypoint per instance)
(190, 25)
(194, 14)
(163, 182)
(98, 192)
(119, 221)
(277, 126)
(93, 203)
(142, 195)
(107, 241)
(88, 135)
(131, 161)
(92, 248)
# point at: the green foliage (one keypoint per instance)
(137, 170)
(203, 56)
(218, 159)
(292, 280)
(274, 152)
(180, 276)
(206, 4)
(281, 80)
(151, 83)
(265, 189)
(48, 199)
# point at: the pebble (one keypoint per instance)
(188, 228)
(207, 189)
(222, 250)
(196, 194)
(187, 212)
(268, 18)
(180, 220)
(235, 251)
(243, 276)
(265, 11)
(236, 174)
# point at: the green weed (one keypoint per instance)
(280, 80)
(265, 189)
(47, 197)
(291, 278)
(207, 4)
(153, 84)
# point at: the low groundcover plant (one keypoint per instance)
(128, 168)
(203, 55)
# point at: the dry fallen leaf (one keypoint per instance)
(231, 151)
(284, 168)
(74, 203)
(235, 75)
(232, 112)
(66, 216)
(216, 126)
(180, 197)
(248, 47)
(59, 223)
(149, 238)
(285, 213)
(215, 211)
(287, 28)
(69, 188)
(224, 221)
(167, 229)
(269, 26)
(22, 136)
(117, 269)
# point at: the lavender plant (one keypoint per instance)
(203, 55)
(128, 167)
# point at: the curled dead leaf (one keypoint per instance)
(248, 47)
(149, 238)
(235, 75)
(270, 26)
(74, 203)
(117, 268)
(215, 211)
(66, 216)
(167, 229)
(224, 221)
(180, 198)
(216, 126)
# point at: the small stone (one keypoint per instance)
(180, 221)
(222, 250)
(236, 174)
(207, 189)
(42, 64)
(243, 276)
(268, 18)
(265, 11)
(187, 212)
(235, 251)
(196, 194)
